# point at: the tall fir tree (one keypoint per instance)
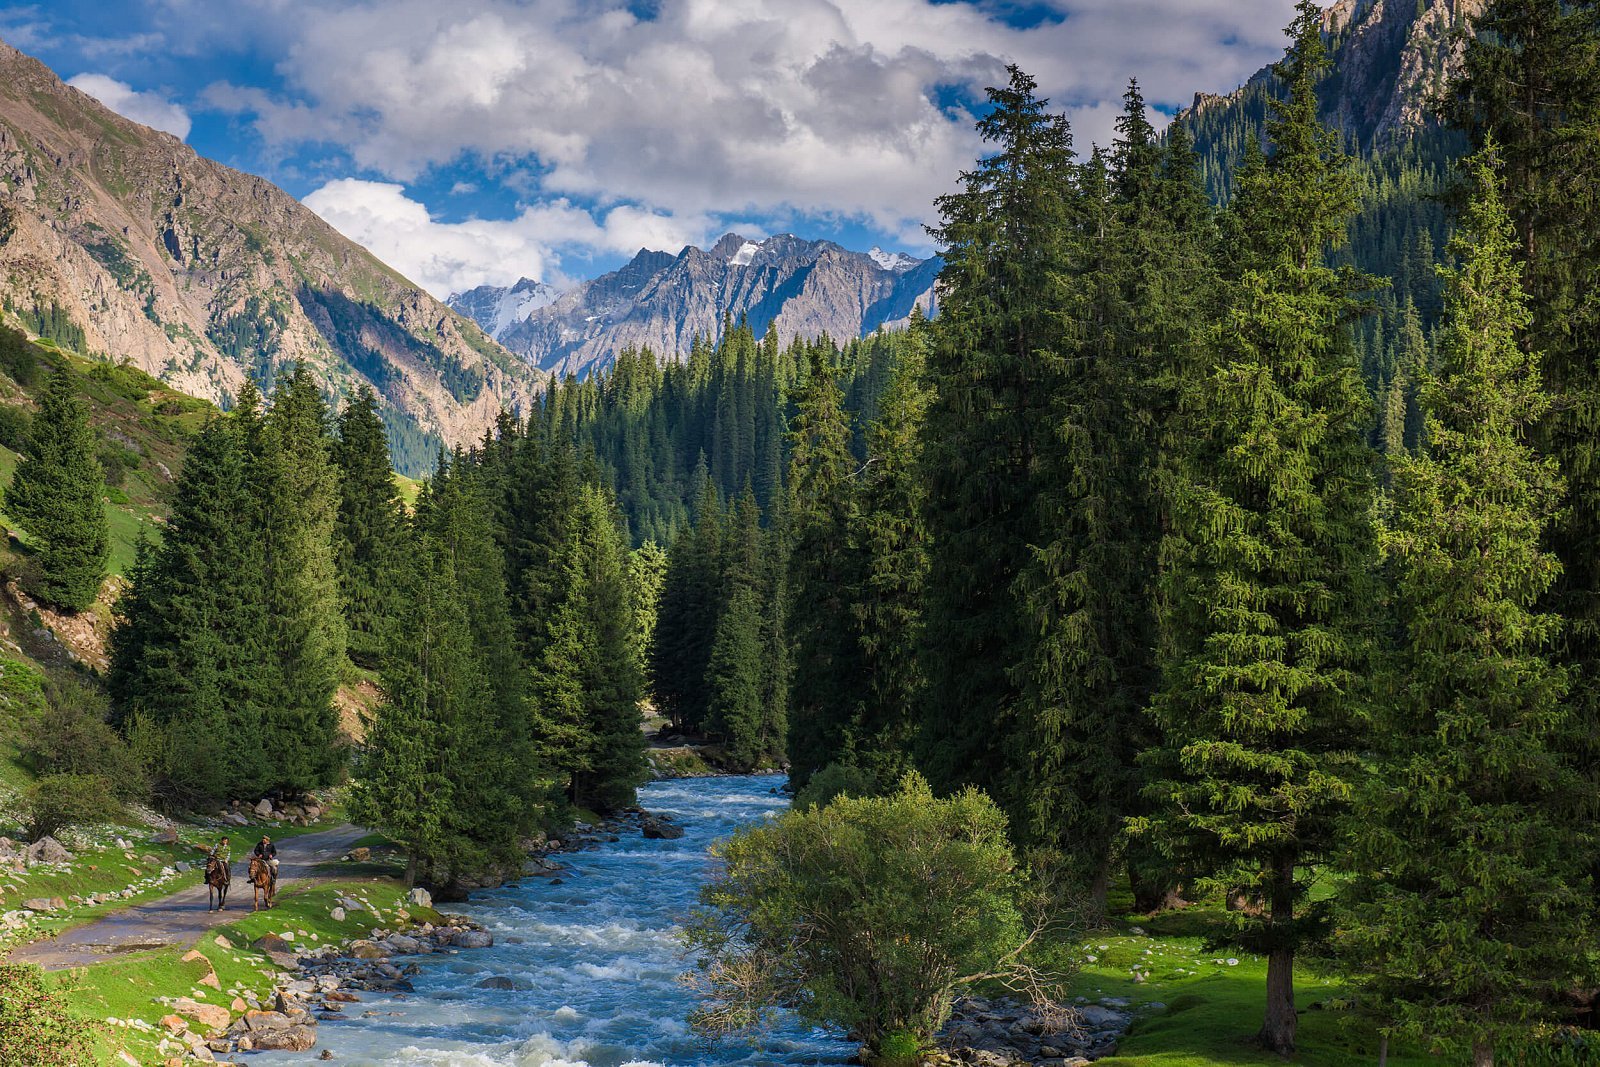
(1466, 912)
(186, 675)
(296, 507)
(827, 683)
(369, 534)
(686, 626)
(1269, 642)
(55, 496)
(1006, 239)
(888, 530)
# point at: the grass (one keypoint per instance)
(129, 990)
(1196, 1007)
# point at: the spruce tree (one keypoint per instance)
(691, 597)
(187, 654)
(1006, 239)
(888, 530)
(402, 784)
(296, 508)
(55, 496)
(368, 533)
(824, 573)
(1466, 912)
(1270, 548)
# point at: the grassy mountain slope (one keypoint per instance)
(118, 239)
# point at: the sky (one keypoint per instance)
(476, 142)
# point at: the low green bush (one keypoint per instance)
(833, 781)
(38, 1027)
(67, 733)
(58, 801)
(867, 915)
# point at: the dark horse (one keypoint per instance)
(260, 878)
(217, 880)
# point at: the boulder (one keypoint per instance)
(359, 855)
(313, 812)
(337, 915)
(659, 829)
(497, 982)
(420, 898)
(44, 904)
(365, 950)
(263, 808)
(1094, 1017)
(48, 850)
(271, 943)
(473, 939)
(401, 945)
(211, 1016)
(290, 1039)
(164, 837)
(261, 1021)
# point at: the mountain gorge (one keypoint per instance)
(119, 240)
(664, 302)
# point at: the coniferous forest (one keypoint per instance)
(1232, 525)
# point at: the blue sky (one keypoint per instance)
(485, 140)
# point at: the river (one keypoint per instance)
(595, 960)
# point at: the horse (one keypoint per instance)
(218, 879)
(261, 882)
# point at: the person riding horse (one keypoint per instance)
(267, 852)
(218, 873)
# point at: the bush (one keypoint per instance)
(37, 1025)
(18, 358)
(69, 734)
(867, 915)
(833, 781)
(16, 424)
(58, 801)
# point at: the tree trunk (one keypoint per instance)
(1099, 889)
(411, 869)
(1383, 1051)
(1277, 1032)
(1483, 1054)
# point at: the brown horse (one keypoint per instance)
(218, 878)
(262, 883)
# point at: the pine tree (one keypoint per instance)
(402, 784)
(187, 654)
(1268, 630)
(995, 359)
(1466, 912)
(827, 684)
(888, 530)
(296, 508)
(369, 539)
(691, 597)
(647, 570)
(734, 677)
(55, 496)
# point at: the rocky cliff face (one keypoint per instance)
(1391, 59)
(661, 301)
(202, 275)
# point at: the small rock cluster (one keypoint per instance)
(47, 851)
(19, 857)
(1005, 1033)
(240, 812)
(320, 987)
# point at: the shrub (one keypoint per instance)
(68, 734)
(867, 915)
(833, 781)
(16, 424)
(18, 358)
(57, 801)
(37, 1025)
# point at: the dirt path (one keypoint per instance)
(181, 918)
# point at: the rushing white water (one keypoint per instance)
(595, 960)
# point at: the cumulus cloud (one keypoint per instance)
(822, 106)
(150, 108)
(447, 257)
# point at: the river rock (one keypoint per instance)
(289, 1039)
(257, 1020)
(401, 945)
(271, 943)
(48, 850)
(211, 1016)
(497, 982)
(1095, 1017)
(473, 939)
(365, 950)
(657, 828)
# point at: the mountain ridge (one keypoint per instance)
(665, 302)
(125, 241)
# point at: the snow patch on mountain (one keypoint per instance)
(747, 253)
(898, 262)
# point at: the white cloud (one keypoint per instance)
(816, 106)
(149, 108)
(446, 257)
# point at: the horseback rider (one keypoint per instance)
(267, 852)
(222, 853)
